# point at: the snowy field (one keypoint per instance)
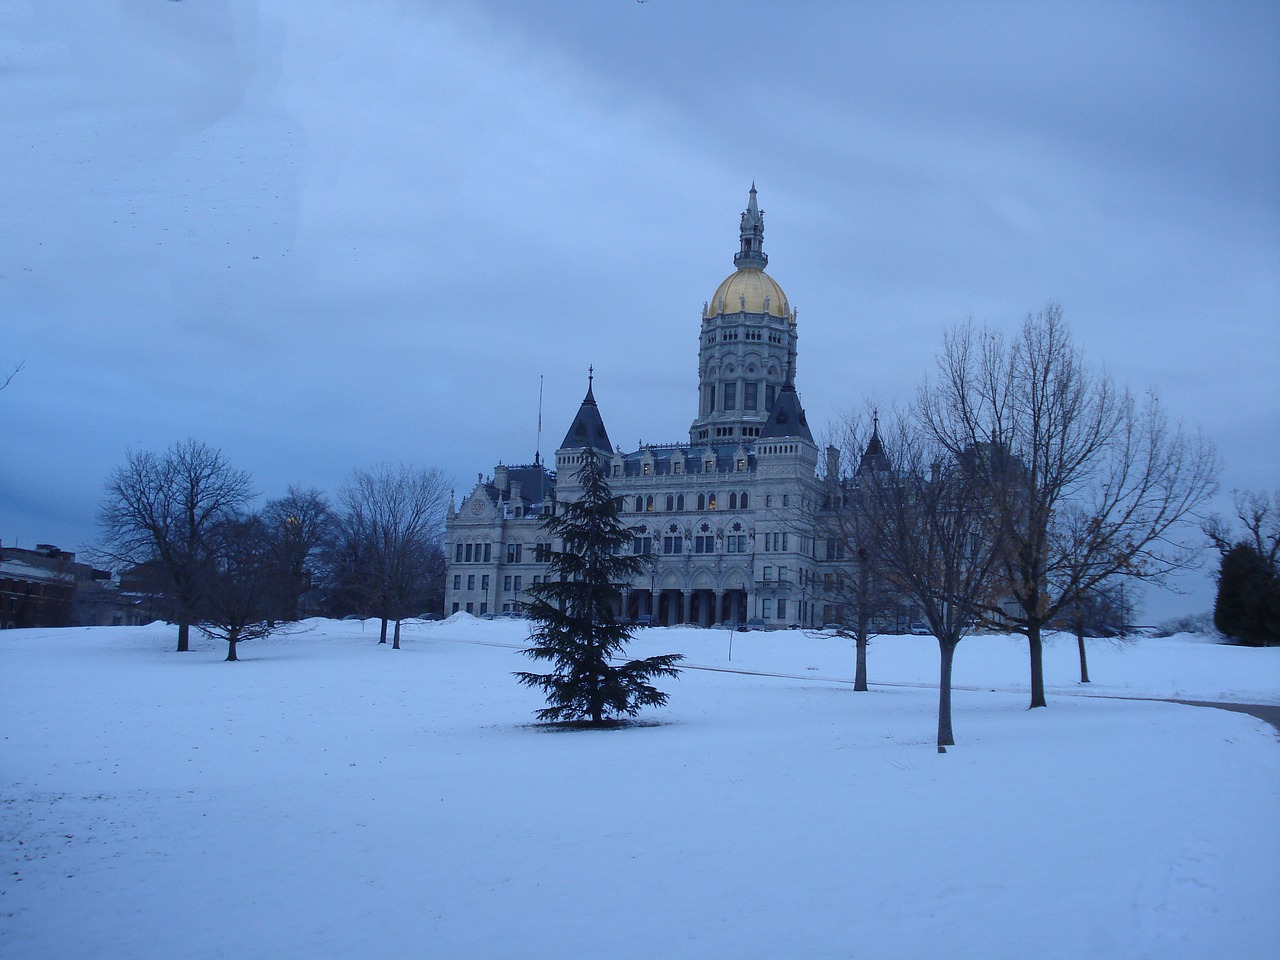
(327, 797)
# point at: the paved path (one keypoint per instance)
(1263, 711)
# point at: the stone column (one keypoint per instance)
(684, 606)
(718, 610)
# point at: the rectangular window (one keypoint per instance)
(468, 553)
(513, 552)
(768, 609)
(642, 546)
(455, 608)
(770, 394)
(782, 609)
(484, 583)
(488, 551)
(471, 581)
(782, 574)
(484, 608)
(731, 396)
(677, 466)
(471, 608)
(673, 544)
(751, 396)
(784, 541)
(458, 556)
(518, 585)
(506, 583)
(457, 581)
(768, 574)
(709, 400)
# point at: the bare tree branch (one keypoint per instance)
(1083, 482)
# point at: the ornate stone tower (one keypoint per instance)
(747, 351)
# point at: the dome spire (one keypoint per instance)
(751, 255)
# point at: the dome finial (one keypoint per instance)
(751, 255)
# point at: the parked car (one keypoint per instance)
(644, 620)
(755, 623)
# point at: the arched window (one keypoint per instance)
(648, 504)
(702, 501)
(733, 501)
(711, 502)
(680, 502)
(639, 504)
(743, 502)
(671, 503)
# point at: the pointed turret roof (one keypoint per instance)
(787, 418)
(588, 426)
(873, 458)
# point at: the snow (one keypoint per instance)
(327, 796)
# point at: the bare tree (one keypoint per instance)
(159, 510)
(390, 518)
(850, 530)
(1259, 515)
(1103, 610)
(933, 544)
(298, 524)
(17, 369)
(239, 583)
(1082, 482)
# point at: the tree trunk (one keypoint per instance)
(382, 638)
(232, 637)
(184, 634)
(1084, 663)
(946, 652)
(395, 644)
(860, 673)
(1037, 666)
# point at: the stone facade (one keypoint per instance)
(727, 518)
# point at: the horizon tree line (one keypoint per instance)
(180, 523)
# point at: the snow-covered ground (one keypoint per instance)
(327, 797)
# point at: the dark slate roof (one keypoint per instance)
(695, 458)
(873, 457)
(787, 418)
(535, 482)
(588, 427)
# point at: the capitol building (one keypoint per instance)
(726, 518)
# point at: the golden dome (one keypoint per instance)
(750, 290)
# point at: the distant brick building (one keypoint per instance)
(38, 587)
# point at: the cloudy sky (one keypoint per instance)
(324, 234)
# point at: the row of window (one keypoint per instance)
(732, 336)
(483, 552)
(728, 396)
(675, 503)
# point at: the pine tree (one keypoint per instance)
(577, 625)
(1248, 603)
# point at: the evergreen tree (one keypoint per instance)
(1248, 603)
(578, 628)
